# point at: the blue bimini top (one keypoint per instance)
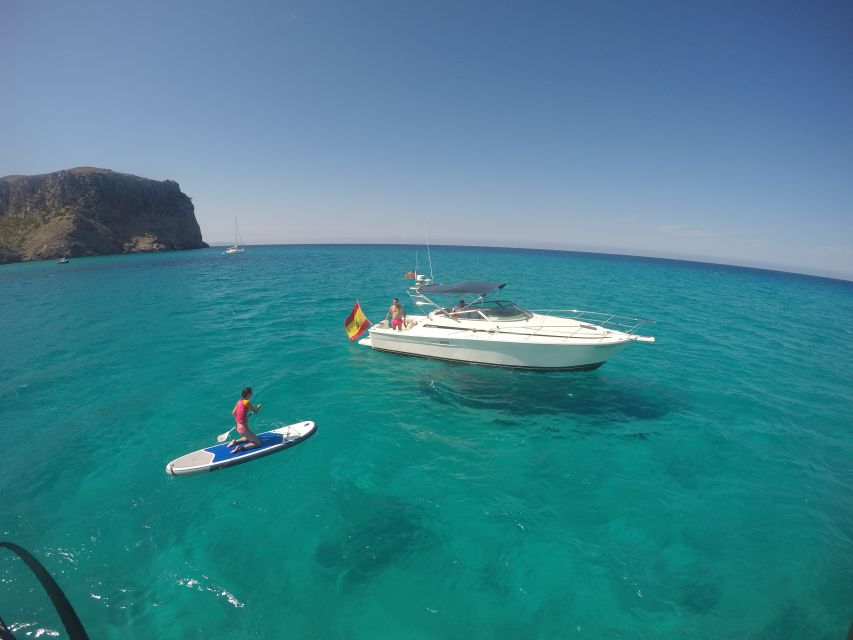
(476, 287)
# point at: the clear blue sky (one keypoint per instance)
(705, 130)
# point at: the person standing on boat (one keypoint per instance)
(247, 439)
(456, 312)
(397, 314)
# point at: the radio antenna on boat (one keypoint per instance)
(429, 257)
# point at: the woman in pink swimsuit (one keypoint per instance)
(241, 415)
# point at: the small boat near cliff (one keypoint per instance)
(237, 247)
(495, 332)
(64, 259)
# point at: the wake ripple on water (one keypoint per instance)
(203, 584)
(33, 630)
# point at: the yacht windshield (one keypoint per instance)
(492, 310)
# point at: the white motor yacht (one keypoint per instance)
(496, 332)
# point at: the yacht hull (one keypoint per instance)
(494, 350)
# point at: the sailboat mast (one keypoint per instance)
(429, 257)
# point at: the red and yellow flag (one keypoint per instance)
(410, 275)
(356, 323)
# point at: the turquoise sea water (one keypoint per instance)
(700, 487)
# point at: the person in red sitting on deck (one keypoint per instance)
(398, 315)
(241, 414)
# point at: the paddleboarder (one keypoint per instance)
(248, 439)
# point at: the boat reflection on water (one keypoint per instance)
(517, 396)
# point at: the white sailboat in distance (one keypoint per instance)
(237, 247)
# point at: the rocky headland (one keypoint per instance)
(89, 211)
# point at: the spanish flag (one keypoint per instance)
(410, 275)
(356, 323)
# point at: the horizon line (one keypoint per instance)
(708, 261)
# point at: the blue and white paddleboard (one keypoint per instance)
(219, 457)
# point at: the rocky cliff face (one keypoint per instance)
(88, 211)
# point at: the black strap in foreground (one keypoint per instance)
(5, 634)
(66, 612)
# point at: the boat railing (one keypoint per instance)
(407, 324)
(579, 328)
(625, 324)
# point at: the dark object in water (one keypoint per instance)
(63, 607)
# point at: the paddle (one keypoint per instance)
(224, 436)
